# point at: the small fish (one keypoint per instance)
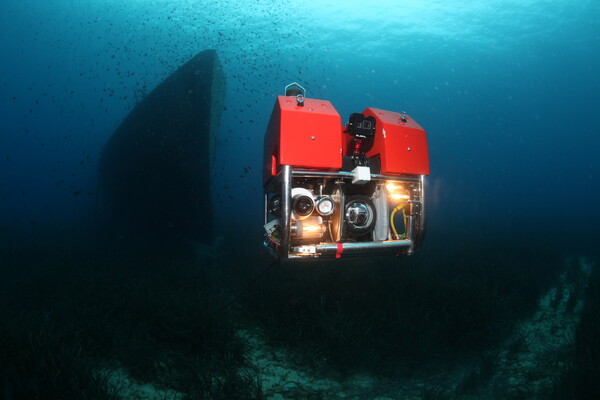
(76, 192)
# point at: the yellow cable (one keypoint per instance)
(400, 207)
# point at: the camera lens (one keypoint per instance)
(359, 215)
(303, 205)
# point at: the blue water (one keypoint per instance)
(507, 91)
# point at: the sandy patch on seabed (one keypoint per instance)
(128, 388)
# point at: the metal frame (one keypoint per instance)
(414, 228)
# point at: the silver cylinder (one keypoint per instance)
(286, 209)
(361, 248)
(420, 233)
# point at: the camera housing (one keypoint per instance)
(339, 191)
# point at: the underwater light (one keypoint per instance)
(325, 205)
(397, 192)
(310, 228)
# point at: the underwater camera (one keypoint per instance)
(338, 191)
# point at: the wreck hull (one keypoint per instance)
(155, 171)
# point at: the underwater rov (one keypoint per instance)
(337, 191)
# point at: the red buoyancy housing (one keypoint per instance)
(400, 143)
(308, 136)
(312, 137)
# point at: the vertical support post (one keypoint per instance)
(421, 221)
(286, 209)
(266, 207)
(410, 233)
